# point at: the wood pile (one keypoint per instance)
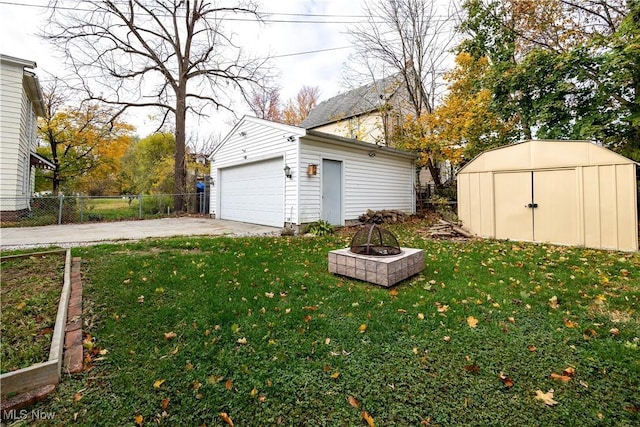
(446, 230)
(383, 217)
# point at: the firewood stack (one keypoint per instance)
(446, 230)
(383, 217)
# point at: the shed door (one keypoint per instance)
(556, 214)
(332, 191)
(514, 220)
(537, 206)
(253, 193)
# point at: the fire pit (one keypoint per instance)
(376, 257)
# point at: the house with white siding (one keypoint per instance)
(20, 106)
(286, 176)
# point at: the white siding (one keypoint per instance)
(254, 140)
(384, 181)
(17, 138)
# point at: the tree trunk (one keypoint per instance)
(179, 168)
(435, 173)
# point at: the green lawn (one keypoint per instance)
(266, 335)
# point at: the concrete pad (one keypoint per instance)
(70, 235)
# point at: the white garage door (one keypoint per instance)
(253, 193)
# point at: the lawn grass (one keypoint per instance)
(30, 289)
(266, 335)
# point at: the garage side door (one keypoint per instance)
(253, 193)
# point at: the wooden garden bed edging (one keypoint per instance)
(46, 373)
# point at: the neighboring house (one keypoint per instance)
(369, 113)
(279, 175)
(564, 192)
(372, 113)
(20, 105)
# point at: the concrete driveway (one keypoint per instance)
(69, 235)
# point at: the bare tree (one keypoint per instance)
(410, 37)
(176, 55)
(265, 103)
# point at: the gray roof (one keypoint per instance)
(351, 104)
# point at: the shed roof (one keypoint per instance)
(358, 101)
(544, 154)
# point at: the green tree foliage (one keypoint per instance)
(147, 167)
(563, 69)
(84, 145)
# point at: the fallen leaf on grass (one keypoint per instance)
(138, 419)
(158, 383)
(165, 403)
(335, 375)
(225, 417)
(228, 384)
(168, 336)
(394, 292)
(532, 348)
(362, 328)
(553, 302)
(21, 305)
(569, 323)
(353, 402)
(569, 372)
(242, 341)
(472, 369)
(508, 382)
(547, 397)
(141, 299)
(472, 322)
(77, 397)
(614, 331)
(368, 418)
(559, 377)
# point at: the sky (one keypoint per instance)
(304, 53)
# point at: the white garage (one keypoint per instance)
(253, 192)
(564, 192)
(284, 176)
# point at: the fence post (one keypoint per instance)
(81, 209)
(60, 198)
(139, 206)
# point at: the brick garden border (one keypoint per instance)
(37, 381)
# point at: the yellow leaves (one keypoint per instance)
(547, 397)
(335, 375)
(393, 292)
(553, 302)
(569, 323)
(21, 305)
(158, 383)
(472, 322)
(441, 308)
(225, 417)
(138, 419)
(368, 418)
(77, 397)
(362, 328)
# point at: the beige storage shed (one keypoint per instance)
(563, 192)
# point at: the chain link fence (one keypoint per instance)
(48, 210)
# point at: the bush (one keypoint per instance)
(320, 228)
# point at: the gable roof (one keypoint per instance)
(361, 100)
(543, 154)
(313, 135)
